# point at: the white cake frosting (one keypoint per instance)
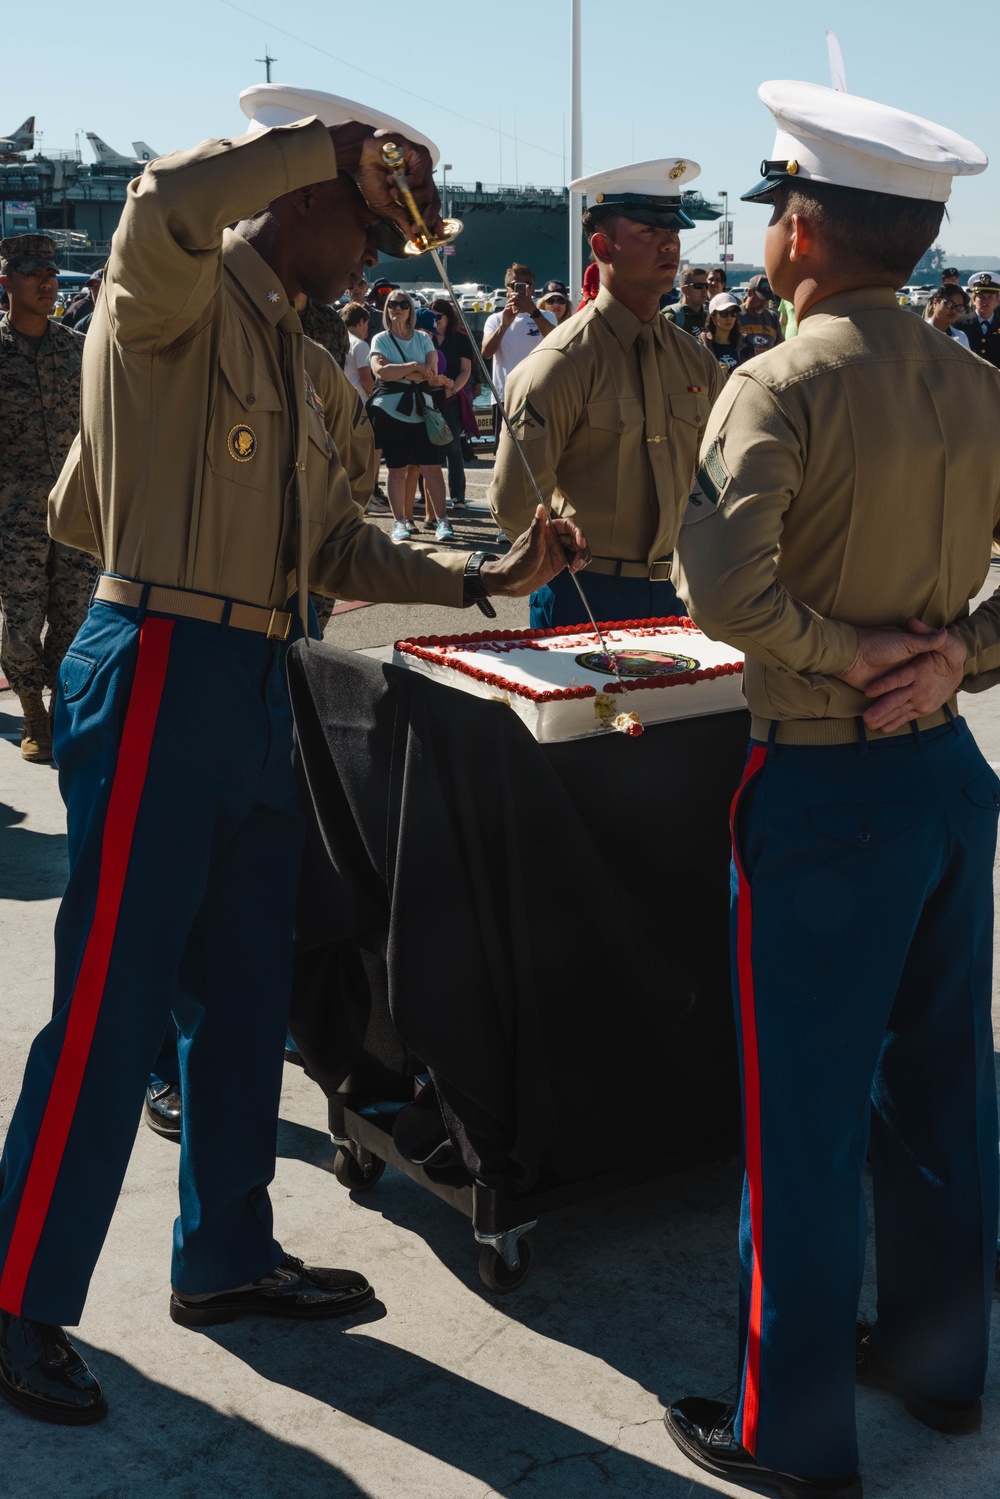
(562, 686)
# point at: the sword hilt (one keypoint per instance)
(422, 239)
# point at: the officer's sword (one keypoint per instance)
(424, 242)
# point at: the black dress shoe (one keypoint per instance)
(703, 1430)
(956, 1418)
(163, 1110)
(292, 1290)
(42, 1374)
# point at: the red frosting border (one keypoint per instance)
(419, 647)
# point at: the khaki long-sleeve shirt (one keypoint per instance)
(850, 478)
(578, 407)
(183, 473)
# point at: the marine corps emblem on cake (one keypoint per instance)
(242, 443)
(638, 663)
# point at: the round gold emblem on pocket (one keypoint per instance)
(242, 443)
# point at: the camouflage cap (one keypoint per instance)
(28, 252)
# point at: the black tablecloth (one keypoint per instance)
(547, 923)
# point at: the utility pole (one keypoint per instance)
(575, 159)
(267, 60)
(726, 241)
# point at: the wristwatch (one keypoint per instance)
(475, 591)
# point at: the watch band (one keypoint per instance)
(475, 591)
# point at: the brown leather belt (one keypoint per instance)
(838, 730)
(613, 567)
(274, 623)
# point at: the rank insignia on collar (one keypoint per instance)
(312, 399)
(242, 443)
(273, 296)
(526, 421)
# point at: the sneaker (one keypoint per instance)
(410, 525)
(378, 504)
(400, 531)
(443, 531)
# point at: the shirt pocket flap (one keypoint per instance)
(984, 790)
(75, 676)
(615, 416)
(251, 387)
(690, 407)
(316, 429)
(863, 824)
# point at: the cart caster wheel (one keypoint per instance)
(496, 1275)
(354, 1177)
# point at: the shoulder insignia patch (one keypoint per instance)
(713, 475)
(242, 443)
(526, 420)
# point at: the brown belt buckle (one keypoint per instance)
(663, 575)
(272, 633)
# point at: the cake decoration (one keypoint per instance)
(638, 663)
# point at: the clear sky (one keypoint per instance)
(491, 83)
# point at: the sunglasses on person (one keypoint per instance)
(395, 306)
(726, 312)
(697, 286)
(555, 298)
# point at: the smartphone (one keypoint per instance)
(520, 288)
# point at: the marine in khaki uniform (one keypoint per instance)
(42, 583)
(610, 410)
(849, 498)
(208, 479)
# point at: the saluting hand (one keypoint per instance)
(879, 650)
(359, 153)
(921, 685)
(538, 554)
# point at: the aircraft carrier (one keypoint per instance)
(80, 203)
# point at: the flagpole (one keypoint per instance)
(575, 159)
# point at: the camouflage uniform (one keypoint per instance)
(326, 327)
(39, 579)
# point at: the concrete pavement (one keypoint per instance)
(439, 1392)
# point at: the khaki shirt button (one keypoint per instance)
(621, 426)
(251, 398)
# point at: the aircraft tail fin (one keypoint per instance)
(105, 154)
(24, 136)
(143, 151)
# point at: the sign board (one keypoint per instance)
(484, 421)
(447, 250)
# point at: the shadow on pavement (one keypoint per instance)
(645, 1280)
(32, 865)
(502, 1443)
(159, 1441)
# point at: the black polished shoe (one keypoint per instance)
(42, 1374)
(957, 1418)
(292, 1290)
(162, 1111)
(703, 1430)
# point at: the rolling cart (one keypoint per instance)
(537, 932)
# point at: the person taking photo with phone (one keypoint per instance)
(510, 336)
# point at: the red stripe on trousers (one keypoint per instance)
(751, 1107)
(85, 1003)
